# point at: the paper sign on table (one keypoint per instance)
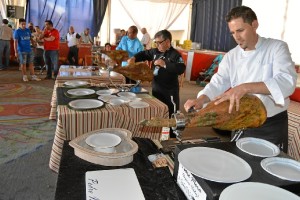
(113, 185)
(189, 185)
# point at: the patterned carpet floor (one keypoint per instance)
(24, 112)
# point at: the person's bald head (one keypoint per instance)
(144, 30)
(71, 29)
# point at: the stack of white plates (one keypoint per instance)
(81, 92)
(85, 104)
(116, 101)
(76, 83)
(107, 92)
(129, 95)
(106, 98)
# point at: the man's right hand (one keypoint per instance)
(196, 104)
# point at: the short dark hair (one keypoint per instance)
(22, 20)
(246, 13)
(49, 22)
(165, 34)
(107, 44)
(4, 21)
(134, 29)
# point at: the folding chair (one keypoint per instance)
(205, 77)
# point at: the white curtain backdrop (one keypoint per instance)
(279, 22)
(155, 15)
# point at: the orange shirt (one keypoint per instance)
(51, 45)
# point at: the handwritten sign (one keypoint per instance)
(113, 185)
(189, 185)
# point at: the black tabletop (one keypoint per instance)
(156, 183)
(63, 98)
(214, 189)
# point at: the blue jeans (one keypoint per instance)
(51, 59)
(25, 57)
(4, 48)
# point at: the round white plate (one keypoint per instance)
(81, 92)
(103, 92)
(125, 99)
(106, 98)
(129, 95)
(215, 164)
(283, 168)
(256, 191)
(257, 147)
(84, 104)
(116, 101)
(138, 104)
(75, 83)
(103, 140)
(107, 92)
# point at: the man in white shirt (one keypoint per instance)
(146, 39)
(73, 40)
(259, 66)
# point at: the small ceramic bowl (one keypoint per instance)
(104, 142)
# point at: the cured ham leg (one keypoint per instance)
(252, 113)
(136, 71)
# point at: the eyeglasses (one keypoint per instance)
(159, 42)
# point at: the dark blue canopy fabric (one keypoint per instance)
(208, 25)
(64, 13)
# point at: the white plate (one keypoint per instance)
(138, 104)
(215, 164)
(116, 101)
(129, 95)
(125, 99)
(257, 147)
(75, 83)
(283, 168)
(81, 92)
(106, 98)
(256, 191)
(103, 140)
(83, 104)
(107, 92)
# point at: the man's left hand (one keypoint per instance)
(233, 95)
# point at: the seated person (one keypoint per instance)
(105, 58)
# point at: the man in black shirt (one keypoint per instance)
(168, 65)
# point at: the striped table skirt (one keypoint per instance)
(72, 123)
(93, 81)
(294, 130)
